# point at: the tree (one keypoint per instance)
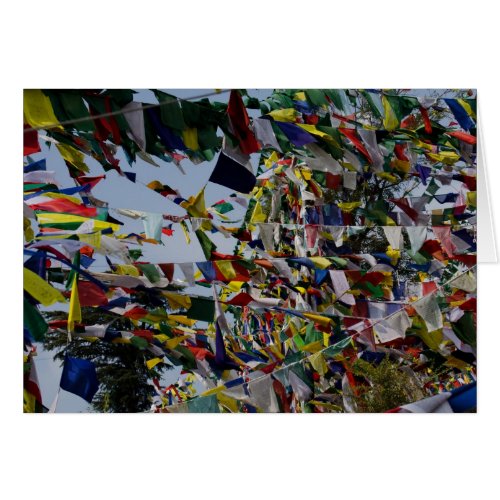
(125, 380)
(387, 385)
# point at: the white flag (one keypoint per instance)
(340, 286)
(417, 236)
(135, 120)
(393, 235)
(393, 327)
(428, 309)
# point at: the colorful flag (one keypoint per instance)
(79, 377)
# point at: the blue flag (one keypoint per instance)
(232, 174)
(296, 135)
(460, 114)
(37, 165)
(79, 377)
(464, 399)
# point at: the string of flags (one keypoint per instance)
(353, 218)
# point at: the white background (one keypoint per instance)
(258, 44)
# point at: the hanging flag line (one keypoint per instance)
(171, 101)
(236, 260)
(347, 291)
(306, 358)
(123, 111)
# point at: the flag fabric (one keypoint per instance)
(75, 312)
(297, 136)
(79, 377)
(232, 174)
(40, 290)
(349, 239)
(30, 141)
(38, 111)
(240, 124)
(460, 114)
(428, 309)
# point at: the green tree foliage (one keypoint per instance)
(125, 380)
(387, 386)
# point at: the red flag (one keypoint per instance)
(333, 181)
(240, 123)
(463, 136)
(168, 270)
(136, 313)
(90, 294)
(353, 137)
(104, 127)
(65, 206)
(428, 287)
(242, 299)
(399, 151)
(470, 182)
(83, 179)
(402, 203)
(427, 121)
(31, 144)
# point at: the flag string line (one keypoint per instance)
(148, 106)
(124, 111)
(306, 358)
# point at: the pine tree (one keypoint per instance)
(125, 380)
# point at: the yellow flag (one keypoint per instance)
(38, 111)
(178, 301)
(446, 157)
(318, 363)
(40, 290)
(56, 196)
(349, 206)
(235, 286)
(387, 176)
(271, 160)
(184, 320)
(284, 115)
(258, 214)
(422, 145)
(401, 166)
(56, 218)
(215, 390)
(93, 239)
(127, 269)
(75, 312)
(390, 120)
(190, 138)
(173, 343)
(29, 402)
(228, 402)
(472, 198)
(185, 230)
(195, 206)
(432, 339)
(275, 350)
(29, 234)
(314, 131)
(394, 255)
(226, 268)
(467, 107)
(151, 363)
(161, 337)
(312, 346)
(321, 320)
(73, 156)
(320, 262)
(155, 185)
